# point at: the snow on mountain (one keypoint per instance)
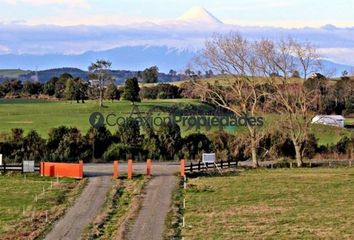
(199, 15)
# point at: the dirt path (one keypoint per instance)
(150, 222)
(83, 211)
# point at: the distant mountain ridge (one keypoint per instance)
(119, 75)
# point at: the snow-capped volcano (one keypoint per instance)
(199, 15)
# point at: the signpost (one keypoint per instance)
(28, 166)
(210, 158)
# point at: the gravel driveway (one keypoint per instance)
(149, 223)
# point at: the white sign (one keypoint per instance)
(209, 157)
(0, 159)
(28, 166)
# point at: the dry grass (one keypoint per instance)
(26, 211)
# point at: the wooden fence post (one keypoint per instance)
(148, 167)
(130, 169)
(115, 169)
(182, 168)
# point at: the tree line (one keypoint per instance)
(130, 141)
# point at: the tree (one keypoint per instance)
(49, 86)
(235, 57)
(112, 92)
(129, 132)
(170, 140)
(150, 75)
(291, 101)
(196, 144)
(34, 146)
(69, 90)
(99, 139)
(100, 73)
(308, 60)
(32, 88)
(80, 90)
(131, 90)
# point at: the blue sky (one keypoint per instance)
(290, 13)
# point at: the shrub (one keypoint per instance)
(121, 151)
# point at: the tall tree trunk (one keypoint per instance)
(101, 104)
(254, 153)
(298, 154)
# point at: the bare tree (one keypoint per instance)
(307, 57)
(100, 73)
(291, 100)
(233, 56)
(255, 75)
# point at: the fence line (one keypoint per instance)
(200, 166)
(16, 167)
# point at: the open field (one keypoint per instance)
(272, 204)
(225, 81)
(23, 203)
(42, 115)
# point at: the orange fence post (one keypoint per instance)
(41, 169)
(148, 167)
(130, 169)
(115, 169)
(182, 168)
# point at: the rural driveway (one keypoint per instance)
(150, 220)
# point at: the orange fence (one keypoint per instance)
(53, 169)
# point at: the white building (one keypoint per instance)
(333, 120)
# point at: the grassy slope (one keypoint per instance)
(17, 198)
(272, 204)
(12, 73)
(43, 115)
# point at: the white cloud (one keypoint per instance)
(70, 3)
(341, 55)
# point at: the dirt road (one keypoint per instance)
(150, 222)
(152, 214)
(85, 208)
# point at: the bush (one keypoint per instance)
(161, 91)
(121, 151)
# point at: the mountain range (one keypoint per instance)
(169, 44)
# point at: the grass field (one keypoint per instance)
(42, 115)
(272, 204)
(23, 203)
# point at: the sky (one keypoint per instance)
(276, 13)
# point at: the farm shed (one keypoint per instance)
(333, 120)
